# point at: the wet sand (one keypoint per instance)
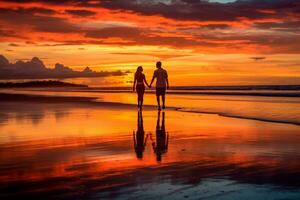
(80, 149)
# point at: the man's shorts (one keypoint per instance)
(160, 91)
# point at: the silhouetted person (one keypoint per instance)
(138, 137)
(162, 138)
(162, 83)
(138, 84)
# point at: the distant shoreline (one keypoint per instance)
(56, 83)
(218, 87)
(40, 84)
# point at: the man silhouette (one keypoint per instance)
(162, 83)
(160, 146)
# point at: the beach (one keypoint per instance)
(99, 146)
(150, 100)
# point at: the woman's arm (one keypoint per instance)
(154, 75)
(134, 82)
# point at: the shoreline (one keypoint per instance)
(254, 93)
(92, 101)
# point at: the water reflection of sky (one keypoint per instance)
(88, 152)
(223, 1)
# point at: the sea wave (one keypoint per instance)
(257, 118)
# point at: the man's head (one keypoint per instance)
(158, 64)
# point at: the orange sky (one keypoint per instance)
(199, 42)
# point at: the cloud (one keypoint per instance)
(39, 10)
(203, 10)
(289, 26)
(259, 26)
(118, 31)
(24, 18)
(258, 58)
(139, 36)
(81, 13)
(7, 33)
(35, 69)
(14, 45)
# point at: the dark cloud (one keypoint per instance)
(38, 10)
(119, 31)
(276, 42)
(46, 1)
(35, 69)
(258, 58)
(210, 38)
(14, 45)
(201, 10)
(289, 26)
(7, 33)
(22, 17)
(138, 36)
(214, 34)
(81, 13)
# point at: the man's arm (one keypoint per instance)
(167, 80)
(152, 79)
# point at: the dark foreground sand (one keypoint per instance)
(76, 148)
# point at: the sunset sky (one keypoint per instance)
(200, 42)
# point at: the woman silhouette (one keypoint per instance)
(138, 84)
(139, 139)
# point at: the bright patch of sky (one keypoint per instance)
(222, 1)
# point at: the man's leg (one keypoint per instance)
(158, 101)
(163, 101)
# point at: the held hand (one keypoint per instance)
(133, 89)
(167, 87)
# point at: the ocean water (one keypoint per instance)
(278, 108)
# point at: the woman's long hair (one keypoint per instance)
(139, 70)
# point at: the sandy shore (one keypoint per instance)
(74, 148)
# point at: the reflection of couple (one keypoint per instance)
(162, 83)
(160, 144)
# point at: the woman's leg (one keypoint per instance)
(140, 90)
(138, 97)
(139, 100)
(142, 100)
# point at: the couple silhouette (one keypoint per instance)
(162, 83)
(159, 144)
